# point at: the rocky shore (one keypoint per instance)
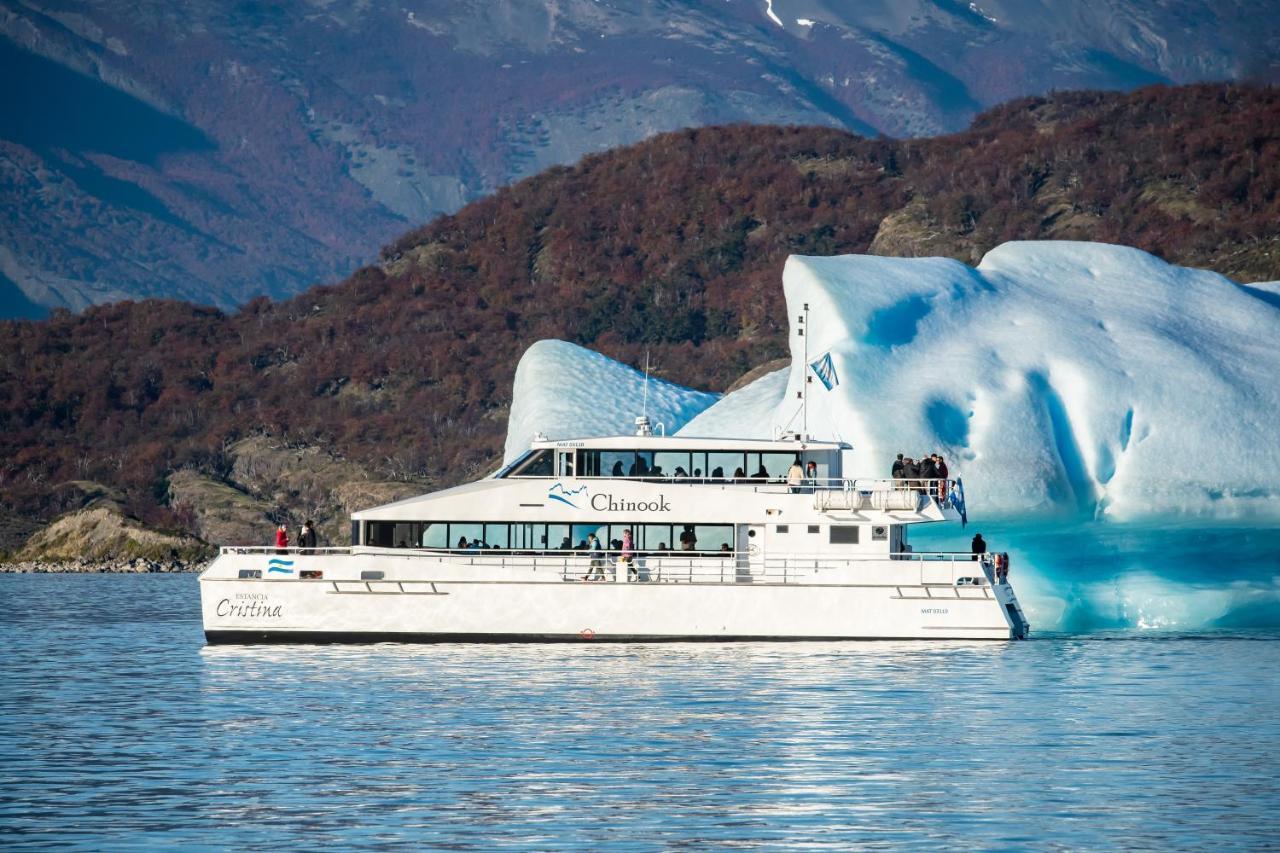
(132, 566)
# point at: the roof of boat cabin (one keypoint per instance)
(680, 442)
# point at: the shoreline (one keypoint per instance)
(132, 566)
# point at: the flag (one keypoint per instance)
(957, 501)
(825, 370)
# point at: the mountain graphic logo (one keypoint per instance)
(275, 564)
(559, 493)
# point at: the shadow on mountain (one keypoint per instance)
(48, 106)
(14, 304)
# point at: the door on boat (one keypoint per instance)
(751, 563)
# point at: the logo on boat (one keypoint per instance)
(279, 566)
(559, 493)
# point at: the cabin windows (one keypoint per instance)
(497, 536)
(813, 528)
(527, 537)
(434, 535)
(784, 528)
(355, 533)
(844, 534)
(704, 466)
(539, 464)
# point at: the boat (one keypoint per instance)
(696, 539)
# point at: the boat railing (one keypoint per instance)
(932, 567)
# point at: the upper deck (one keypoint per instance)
(691, 460)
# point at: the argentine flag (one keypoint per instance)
(826, 371)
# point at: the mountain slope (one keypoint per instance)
(239, 150)
(674, 246)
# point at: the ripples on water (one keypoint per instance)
(119, 727)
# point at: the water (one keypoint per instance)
(118, 727)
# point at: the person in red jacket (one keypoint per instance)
(282, 539)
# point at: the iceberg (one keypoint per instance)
(1113, 416)
(1057, 378)
(563, 390)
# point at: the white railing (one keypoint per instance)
(716, 567)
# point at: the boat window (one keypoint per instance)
(435, 534)
(588, 463)
(712, 537)
(844, 534)
(582, 531)
(672, 464)
(558, 537)
(464, 535)
(496, 536)
(355, 533)
(381, 534)
(784, 528)
(540, 464)
(643, 466)
(616, 463)
(769, 466)
(698, 465)
(724, 464)
(656, 537)
(813, 528)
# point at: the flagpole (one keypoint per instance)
(804, 401)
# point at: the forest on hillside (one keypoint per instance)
(674, 246)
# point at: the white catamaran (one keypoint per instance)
(637, 538)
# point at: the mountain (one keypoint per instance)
(675, 246)
(215, 151)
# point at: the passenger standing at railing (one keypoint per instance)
(688, 540)
(811, 475)
(942, 478)
(795, 475)
(909, 473)
(282, 539)
(628, 554)
(307, 538)
(928, 471)
(896, 471)
(979, 546)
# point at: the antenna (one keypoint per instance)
(804, 390)
(642, 422)
(644, 406)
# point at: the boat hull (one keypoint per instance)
(432, 607)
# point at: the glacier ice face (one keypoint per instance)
(566, 391)
(1057, 378)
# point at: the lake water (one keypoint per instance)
(119, 727)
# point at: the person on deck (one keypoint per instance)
(282, 539)
(811, 475)
(627, 554)
(896, 471)
(307, 538)
(795, 476)
(596, 554)
(942, 478)
(688, 540)
(909, 473)
(928, 473)
(978, 546)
